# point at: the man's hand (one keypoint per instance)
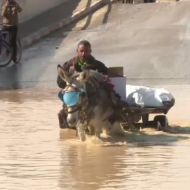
(71, 70)
(4, 8)
(7, 3)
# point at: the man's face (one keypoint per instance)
(83, 52)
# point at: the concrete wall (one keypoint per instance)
(32, 8)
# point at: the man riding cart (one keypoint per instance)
(84, 60)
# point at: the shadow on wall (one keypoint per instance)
(32, 8)
(105, 19)
(134, 1)
(149, 1)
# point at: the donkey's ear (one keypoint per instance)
(63, 74)
(85, 75)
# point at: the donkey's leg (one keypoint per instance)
(98, 128)
(91, 129)
(81, 131)
(117, 130)
(106, 127)
(97, 121)
(62, 116)
(97, 124)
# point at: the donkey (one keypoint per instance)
(94, 104)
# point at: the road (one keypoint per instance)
(151, 42)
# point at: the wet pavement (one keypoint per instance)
(35, 154)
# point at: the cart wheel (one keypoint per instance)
(145, 119)
(161, 121)
(158, 126)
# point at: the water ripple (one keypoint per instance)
(36, 155)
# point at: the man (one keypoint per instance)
(9, 13)
(83, 60)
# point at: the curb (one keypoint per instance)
(32, 38)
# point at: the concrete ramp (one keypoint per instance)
(151, 41)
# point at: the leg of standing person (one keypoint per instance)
(14, 31)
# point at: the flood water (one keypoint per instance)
(36, 155)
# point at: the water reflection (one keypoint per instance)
(95, 167)
(36, 155)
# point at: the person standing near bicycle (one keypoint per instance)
(9, 13)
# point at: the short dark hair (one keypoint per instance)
(84, 43)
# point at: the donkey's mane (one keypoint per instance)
(97, 75)
(93, 87)
(94, 77)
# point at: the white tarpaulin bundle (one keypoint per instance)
(147, 97)
(141, 95)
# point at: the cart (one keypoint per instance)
(138, 102)
(136, 114)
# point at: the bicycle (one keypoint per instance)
(6, 50)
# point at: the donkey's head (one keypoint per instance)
(74, 96)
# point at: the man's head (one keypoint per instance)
(84, 50)
(11, 1)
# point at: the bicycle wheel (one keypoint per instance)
(19, 51)
(5, 54)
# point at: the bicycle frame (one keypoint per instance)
(7, 34)
(1, 41)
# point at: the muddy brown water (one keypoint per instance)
(36, 155)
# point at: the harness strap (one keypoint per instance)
(78, 107)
